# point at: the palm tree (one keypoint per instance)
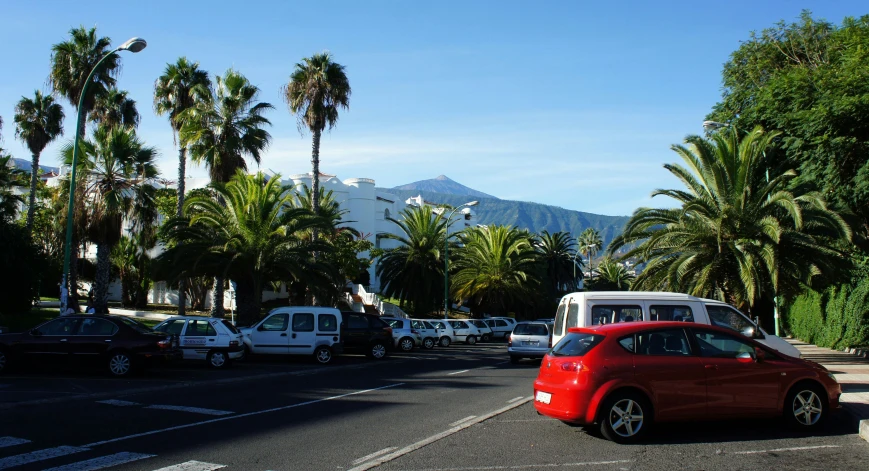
(557, 254)
(38, 121)
(738, 232)
(10, 178)
(495, 266)
(589, 244)
(72, 61)
(611, 277)
(116, 163)
(413, 272)
(250, 231)
(317, 88)
(220, 131)
(115, 108)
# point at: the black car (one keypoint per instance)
(116, 343)
(366, 333)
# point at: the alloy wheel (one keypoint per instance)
(378, 351)
(323, 355)
(119, 364)
(2, 361)
(626, 418)
(406, 344)
(217, 359)
(807, 407)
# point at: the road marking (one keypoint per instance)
(462, 420)
(503, 362)
(195, 410)
(102, 462)
(193, 466)
(39, 455)
(457, 372)
(427, 441)
(532, 466)
(796, 448)
(238, 416)
(12, 441)
(375, 454)
(118, 402)
(511, 401)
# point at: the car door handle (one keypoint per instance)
(294, 335)
(63, 340)
(107, 341)
(284, 334)
(711, 367)
(211, 340)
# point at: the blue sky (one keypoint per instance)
(572, 103)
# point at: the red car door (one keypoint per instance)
(665, 364)
(737, 384)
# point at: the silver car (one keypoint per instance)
(529, 340)
(405, 336)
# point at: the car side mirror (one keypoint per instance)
(759, 354)
(745, 357)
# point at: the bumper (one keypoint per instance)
(565, 403)
(527, 352)
(162, 356)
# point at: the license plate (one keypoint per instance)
(543, 397)
(528, 343)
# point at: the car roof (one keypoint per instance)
(638, 295)
(631, 327)
(194, 318)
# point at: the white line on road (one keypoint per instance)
(238, 416)
(195, 410)
(457, 372)
(118, 402)
(511, 401)
(427, 441)
(193, 466)
(39, 455)
(462, 420)
(796, 448)
(102, 462)
(12, 441)
(375, 454)
(532, 466)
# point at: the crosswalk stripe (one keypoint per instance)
(102, 462)
(12, 441)
(195, 410)
(118, 402)
(39, 455)
(193, 466)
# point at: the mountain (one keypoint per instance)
(442, 184)
(532, 216)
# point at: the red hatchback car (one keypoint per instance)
(625, 376)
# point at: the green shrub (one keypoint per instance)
(834, 316)
(21, 265)
(856, 317)
(804, 318)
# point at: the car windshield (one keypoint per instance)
(530, 329)
(575, 344)
(135, 325)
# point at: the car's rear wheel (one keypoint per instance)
(428, 343)
(4, 361)
(217, 359)
(120, 364)
(445, 342)
(485, 338)
(323, 354)
(804, 406)
(514, 359)
(377, 351)
(405, 344)
(470, 340)
(625, 417)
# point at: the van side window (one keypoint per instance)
(327, 323)
(276, 322)
(559, 320)
(612, 313)
(303, 322)
(671, 313)
(573, 315)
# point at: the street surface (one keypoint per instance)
(456, 408)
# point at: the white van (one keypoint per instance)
(607, 307)
(297, 330)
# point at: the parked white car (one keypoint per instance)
(500, 326)
(486, 333)
(464, 331)
(529, 340)
(297, 330)
(446, 334)
(405, 336)
(427, 331)
(216, 341)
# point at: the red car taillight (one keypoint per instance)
(165, 343)
(574, 366)
(233, 343)
(550, 341)
(388, 330)
(510, 340)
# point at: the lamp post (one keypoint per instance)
(447, 257)
(714, 126)
(133, 45)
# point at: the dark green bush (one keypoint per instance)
(836, 318)
(21, 265)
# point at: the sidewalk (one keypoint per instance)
(139, 314)
(852, 372)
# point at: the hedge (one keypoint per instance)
(835, 318)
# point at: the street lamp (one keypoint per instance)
(447, 257)
(574, 265)
(714, 126)
(133, 45)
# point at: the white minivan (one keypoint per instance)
(297, 330)
(607, 307)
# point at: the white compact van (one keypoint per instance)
(607, 307)
(297, 330)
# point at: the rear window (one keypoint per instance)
(559, 320)
(530, 329)
(575, 344)
(135, 325)
(614, 313)
(229, 326)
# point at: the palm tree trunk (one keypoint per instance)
(72, 297)
(34, 179)
(315, 189)
(102, 279)
(217, 309)
(182, 170)
(249, 300)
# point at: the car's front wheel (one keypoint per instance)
(217, 359)
(377, 351)
(804, 406)
(470, 340)
(485, 338)
(428, 343)
(120, 364)
(323, 354)
(514, 359)
(625, 417)
(445, 342)
(405, 344)
(4, 361)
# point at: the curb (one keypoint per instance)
(857, 352)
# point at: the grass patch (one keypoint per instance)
(25, 321)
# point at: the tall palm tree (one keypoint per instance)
(413, 271)
(589, 243)
(175, 92)
(495, 266)
(115, 108)
(10, 179)
(557, 254)
(611, 277)
(220, 131)
(318, 87)
(739, 234)
(116, 164)
(38, 121)
(250, 231)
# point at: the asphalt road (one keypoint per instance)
(459, 408)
